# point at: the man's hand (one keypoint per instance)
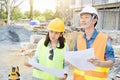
(95, 61)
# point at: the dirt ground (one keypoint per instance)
(10, 56)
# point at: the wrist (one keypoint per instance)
(65, 75)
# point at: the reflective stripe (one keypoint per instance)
(96, 74)
(101, 69)
(78, 77)
(92, 73)
(78, 72)
(93, 78)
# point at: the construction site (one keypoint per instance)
(18, 42)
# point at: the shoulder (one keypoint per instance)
(80, 37)
(41, 41)
(66, 46)
(103, 35)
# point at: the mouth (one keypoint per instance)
(83, 25)
(52, 38)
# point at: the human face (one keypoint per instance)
(54, 35)
(86, 20)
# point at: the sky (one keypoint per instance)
(40, 5)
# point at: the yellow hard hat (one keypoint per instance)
(56, 25)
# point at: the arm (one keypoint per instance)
(65, 67)
(35, 58)
(97, 62)
(109, 57)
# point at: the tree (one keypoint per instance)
(37, 14)
(11, 4)
(31, 9)
(8, 11)
(1, 9)
(17, 14)
(27, 14)
(63, 9)
(48, 14)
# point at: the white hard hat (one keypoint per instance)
(89, 9)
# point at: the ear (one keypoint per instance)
(95, 20)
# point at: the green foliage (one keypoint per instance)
(37, 13)
(48, 14)
(17, 14)
(42, 18)
(4, 15)
(27, 13)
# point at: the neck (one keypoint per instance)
(53, 44)
(89, 32)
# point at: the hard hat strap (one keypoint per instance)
(93, 16)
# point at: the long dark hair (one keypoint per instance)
(60, 39)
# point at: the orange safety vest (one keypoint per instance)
(99, 46)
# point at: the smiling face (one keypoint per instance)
(86, 20)
(53, 35)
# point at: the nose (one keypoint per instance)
(53, 34)
(82, 20)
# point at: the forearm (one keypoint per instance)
(106, 64)
(97, 62)
(66, 67)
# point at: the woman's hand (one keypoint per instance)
(26, 63)
(64, 78)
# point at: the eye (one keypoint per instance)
(51, 31)
(56, 32)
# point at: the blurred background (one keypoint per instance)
(24, 22)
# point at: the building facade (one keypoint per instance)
(109, 13)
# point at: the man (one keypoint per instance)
(103, 51)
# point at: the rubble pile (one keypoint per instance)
(11, 34)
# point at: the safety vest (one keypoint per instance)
(99, 46)
(43, 59)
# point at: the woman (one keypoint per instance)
(49, 52)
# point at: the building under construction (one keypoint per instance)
(109, 13)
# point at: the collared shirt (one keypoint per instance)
(109, 51)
